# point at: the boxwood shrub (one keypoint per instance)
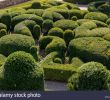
(91, 76)
(3, 32)
(85, 49)
(15, 42)
(68, 36)
(5, 18)
(21, 72)
(96, 16)
(36, 5)
(56, 32)
(2, 59)
(52, 43)
(55, 71)
(3, 26)
(66, 24)
(20, 18)
(46, 26)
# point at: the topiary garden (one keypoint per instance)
(57, 41)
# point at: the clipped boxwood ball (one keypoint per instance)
(56, 32)
(96, 16)
(66, 24)
(2, 59)
(3, 26)
(58, 60)
(3, 32)
(36, 5)
(92, 76)
(15, 42)
(21, 72)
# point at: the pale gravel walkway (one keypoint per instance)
(55, 86)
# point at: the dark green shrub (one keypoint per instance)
(88, 25)
(36, 32)
(21, 72)
(74, 18)
(100, 23)
(2, 59)
(37, 12)
(68, 36)
(57, 16)
(2, 32)
(105, 8)
(58, 60)
(36, 5)
(23, 17)
(56, 32)
(96, 16)
(108, 21)
(77, 62)
(6, 19)
(55, 71)
(66, 24)
(85, 49)
(25, 27)
(91, 76)
(52, 44)
(47, 25)
(3, 26)
(47, 15)
(15, 42)
(76, 13)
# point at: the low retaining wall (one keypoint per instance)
(7, 3)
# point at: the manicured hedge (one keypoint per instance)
(3, 32)
(56, 32)
(55, 71)
(20, 18)
(2, 59)
(15, 42)
(66, 24)
(52, 43)
(3, 26)
(21, 72)
(90, 49)
(96, 16)
(91, 76)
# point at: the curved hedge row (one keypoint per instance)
(90, 49)
(15, 42)
(51, 44)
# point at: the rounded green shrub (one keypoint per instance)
(74, 18)
(2, 59)
(25, 27)
(47, 15)
(56, 32)
(91, 76)
(108, 21)
(58, 60)
(57, 16)
(96, 16)
(47, 25)
(15, 42)
(36, 5)
(3, 32)
(3, 26)
(36, 32)
(5, 18)
(68, 36)
(23, 17)
(21, 72)
(66, 24)
(52, 43)
(90, 49)
(37, 12)
(76, 13)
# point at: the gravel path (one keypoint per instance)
(55, 86)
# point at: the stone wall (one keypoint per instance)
(7, 3)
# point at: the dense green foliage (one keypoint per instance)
(91, 76)
(29, 75)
